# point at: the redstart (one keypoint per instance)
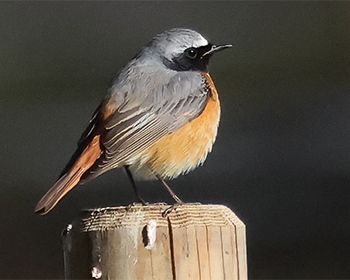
(159, 118)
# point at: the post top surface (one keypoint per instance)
(183, 215)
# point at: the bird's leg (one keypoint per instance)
(128, 172)
(177, 200)
(174, 196)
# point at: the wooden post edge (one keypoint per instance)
(156, 241)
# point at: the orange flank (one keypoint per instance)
(186, 148)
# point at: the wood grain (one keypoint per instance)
(192, 242)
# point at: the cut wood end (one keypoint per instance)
(138, 214)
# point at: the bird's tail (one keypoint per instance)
(57, 191)
(70, 179)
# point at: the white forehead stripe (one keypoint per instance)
(178, 45)
(179, 48)
(175, 41)
(200, 43)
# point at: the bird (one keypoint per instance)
(158, 120)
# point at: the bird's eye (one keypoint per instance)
(191, 53)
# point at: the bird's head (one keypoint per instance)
(183, 50)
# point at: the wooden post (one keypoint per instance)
(192, 241)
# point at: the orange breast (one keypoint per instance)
(186, 148)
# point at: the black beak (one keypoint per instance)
(215, 49)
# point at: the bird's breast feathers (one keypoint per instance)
(184, 149)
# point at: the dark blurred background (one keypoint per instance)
(282, 157)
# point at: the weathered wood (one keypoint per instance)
(192, 242)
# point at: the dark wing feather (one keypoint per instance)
(89, 133)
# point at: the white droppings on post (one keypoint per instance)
(66, 238)
(69, 227)
(96, 273)
(151, 234)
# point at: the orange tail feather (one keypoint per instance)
(69, 180)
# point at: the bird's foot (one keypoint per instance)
(170, 209)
